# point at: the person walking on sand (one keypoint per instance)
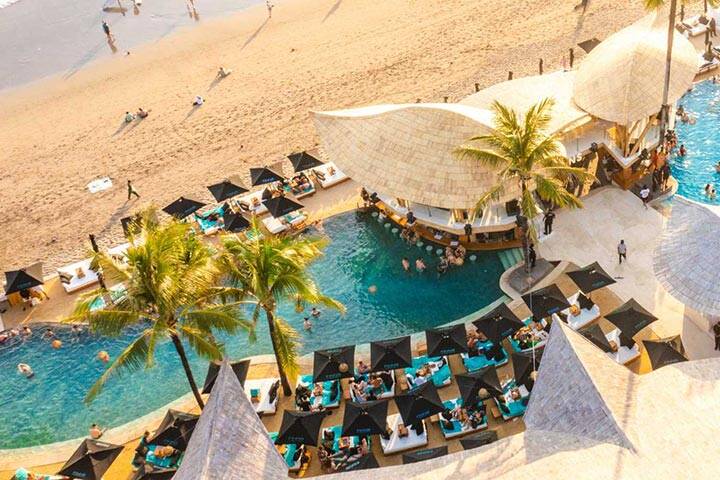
(269, 6)
(622, 251)
(131, 190)
(106, 29)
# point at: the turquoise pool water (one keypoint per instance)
(702, 141)
(362, 253)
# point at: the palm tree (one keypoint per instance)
(271, 269)
(526, 159)
(172, 289)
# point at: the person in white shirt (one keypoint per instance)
(645, 195)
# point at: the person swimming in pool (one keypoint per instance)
(406, 264)
(25, 369)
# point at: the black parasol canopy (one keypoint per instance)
(470, 384)
(300, 427)
(479, 439)
(419, 403)
(390, 354)
(152, 472)
(91, 460)
(333, 363)
(240, 368)
(588, 45)
(595, 334)
(363, 463)
(524, 364)
(263, 176)
(630, 318)
(498, 323)
(279, 206)
(234, 222)
(226, 189)
(366, 418)
(303, 161)
(424, 454)
(591, 278)
(23, 279)
(446, 340)
(662, 353)
(175, 430)
(545, 301)
(183, 207)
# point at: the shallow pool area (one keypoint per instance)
(702, 141)
(362, 253)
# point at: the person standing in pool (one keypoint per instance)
(307, 324)
(315, 312)
(406, 264)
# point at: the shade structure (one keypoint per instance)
(446, 340)
(18, 280)
(424, 454)
(333, 363)
(479, 439)
(226, 189)
(303, 161)
(150, 472)
(363, 463)
(591, 278)
(183, 207)
(300, 427)
(630, 318)
(595, 334)
(175, 430)
(545, 301)
(240, 368)
(279, 206)
(390, 354)
(499, 323)
(662, 354)
(470, 384)
(91, 460)
(524, 364)
(263, 176)
(234, 222)
(366, 418)
(589, 44)
(419, 403)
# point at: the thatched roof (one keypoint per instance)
(229, 441)
(622, 79)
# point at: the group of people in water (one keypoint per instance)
(453, 256)
(671, 142)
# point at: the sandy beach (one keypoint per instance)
(61, 133)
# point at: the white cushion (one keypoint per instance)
(395, 443)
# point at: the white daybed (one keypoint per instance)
(388, 392)
(693, 25)
(70, 280)
(458, 428)
(279, 225)
(705, 65)
(623, 355)
(328, 180)
(396, 444)
(248, 198)
(264, 406)
(582, 319)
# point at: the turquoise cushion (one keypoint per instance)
(327, 389)
(439, 378)
(476, 363)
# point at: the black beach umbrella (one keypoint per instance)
(182, 207)
(390, 354)
(446, 340)
(662, 354)
(470, 385)
(333, 363)
(300, 427)
(630, 318)
(545, 301)
(479, 439)
(524, 364)
(366, 418)
(240, 368)
(226, 189)
(279, 206)
(595, 334)
(263, 176)
(175, 430)
(29, 277)
(588, 45)
(499, 323)
(91, 460)
(591, 278)
(235, 222)
(363, 463)
(151, 472)
(419, 403)
(303, 161)
(424, 454)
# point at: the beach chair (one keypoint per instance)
(295, 456)
(441, 375)
(623, 355)
(705, 65)
(331, 396)
(396, 443)
(116, 292)
(163, 462)
(541, 338)
(209, 226)
(453, 428)
(305, 192)
(248, 199)
(275, 225)
(482, 358)
(77, 276)
(325, 178)
(696, 25)
(387, 391)
(584, 317)
(338, 438)
(512, 408)
(263, 394)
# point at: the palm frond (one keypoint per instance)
(198, 339)
(553, 190)
(492, 195)
(226, 318)
(110, 322)
(287, 345)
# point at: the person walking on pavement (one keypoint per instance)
(716, 331)
(106, 29)
(532, 256)
(549, 218)
(622, 251)
(131, 190)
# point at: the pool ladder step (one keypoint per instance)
(510, 257)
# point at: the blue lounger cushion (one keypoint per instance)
(481, 361)
(440, 378)
(326, 401)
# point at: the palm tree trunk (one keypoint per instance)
(287, 390)
(188, 373)
(664, 113)
(705, 6)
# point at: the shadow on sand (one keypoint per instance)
(332, 10)
(255, 34)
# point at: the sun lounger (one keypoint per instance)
(77, 275)
(388, 391)
(624, 355)
(326, 180)
(164, 462)
(207, 225)
(331, 393)
(263, 394)
(305, 192)
(513, 408)
(337, 435)
(441, 376)
(457, 428)
(584, 318)
(294, 456)
(694, 26)
(481, 360)
(274, 225)
(705, 65)
(541, 337)
(248, 199)
(116, 293)
(396, 443)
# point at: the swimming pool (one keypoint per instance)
(702, 141)
(362, 253)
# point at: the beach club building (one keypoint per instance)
(606, 115)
